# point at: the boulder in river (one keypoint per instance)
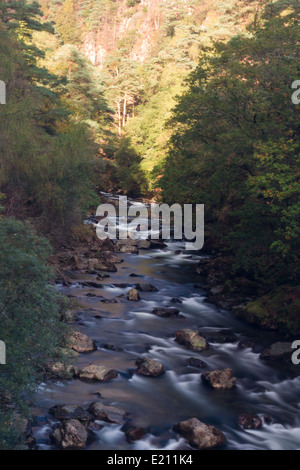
(144, 244)
(97, 372)
(222, 379)
(149, 367)
(81, 343)
(167, 312)
(109, 414)
(192, 339)
(280, 352)
(200, 435)
(145, 287)
(111, 347)
(70, 435)
(195, 362)
(135, 433)
(72, 411)
(249, 421)
(222, 336)
(95, 264)
(133, 295)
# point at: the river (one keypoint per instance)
(158, 403)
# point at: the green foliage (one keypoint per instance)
(128, 175)
(30, 310)
(236, 148)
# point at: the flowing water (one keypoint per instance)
(159, 403)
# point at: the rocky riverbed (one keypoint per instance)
(153, 365)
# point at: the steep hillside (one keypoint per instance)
(142, 51)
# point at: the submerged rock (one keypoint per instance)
(70, 435)
(135, 433)
(167, 312)
(144, 287)
(109, 414)
(149, 367)
(222, 379)
(111, 347)
(195, 362)
(96, 372)
(280, 351)
(192, 339)
(200, 435)
(248, 421)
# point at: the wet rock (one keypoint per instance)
(111, 347)
(133, 295)
(96, 372)
(192, 339)
(157, 244)
(81, 343)
(144, 287)
(109, 414)
(134, 275)
(135, 433)
(222, 336)
(167, 312)
(101, 276)
(67, 412)
(200, 435)
(129, 249)
(280, 352)
(95, 264)
(248, 421)
(175, 300)
(195, 362)
(70, 435)
(108, 257)
(244, 344)
(222, 379)
(144, 244)
(149, 367)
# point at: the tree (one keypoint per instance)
(30, 310)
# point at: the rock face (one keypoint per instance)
(222, 379)
(67, 412)
(280, 351)
(96, 372)
(70, 435)
(192, 339)
(133, 295)
(109, 414)
(167, 312)
(195, 362)
(199, 434)
(149, 367)
(248, 421)
(81, 343)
